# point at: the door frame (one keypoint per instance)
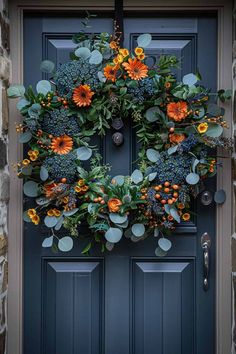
(224, 213)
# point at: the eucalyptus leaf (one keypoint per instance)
(101, 77)
(152, 176)
(159, 252)
(26, 217)
(144, 40)
(156, 232)
(27, 170)
(119, 180)
(65, 244)
(47, 242)
(164, 244)
(43, 173)
(83, 52)
(152, 114)
(213, 109)
(220, 196)
(152, 155)
(25, 137)
(214, 130)
(192, 178)
(47, 66)
(117, 218)
(172, 149)
(138, 230)
(30, 189)
(43, 87)
(15, 91)
(194, 164)
(174, 213)
(34, 110)
(96, 57)
(22, 104)
(124, 225)
(109, 246)
(113, 234)
(50, 221)
(190, 79)
(42, 200)
(137, 176)
(84, 153)
(70, 212)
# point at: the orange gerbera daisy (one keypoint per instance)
(177, 111)
(62, 144)
(110, 72)
(136, 69)
(82, 95)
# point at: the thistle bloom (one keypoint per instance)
(62, 144)
(177, 111)
(82, 95)
(202, 128)
(136, 69)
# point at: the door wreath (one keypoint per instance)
(178, 124)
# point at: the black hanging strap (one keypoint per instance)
(119, 19)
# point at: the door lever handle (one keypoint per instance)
(206, 245)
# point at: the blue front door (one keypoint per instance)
(128, 301)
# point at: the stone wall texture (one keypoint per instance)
(233, 243)
(4, 174)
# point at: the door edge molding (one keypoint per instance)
(224, 179)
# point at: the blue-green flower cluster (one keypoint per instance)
(61, 166)
(75, 73)
(188, 143)
(172, 168)
(58, 123)
(145, 89)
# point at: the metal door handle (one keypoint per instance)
(206, 244)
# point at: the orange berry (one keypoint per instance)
(167, 190)
(99, 199)
(160, 186)
(170, 201)
(156, 188)
(175, 194)
(163, 201)
(142, 197)
(166, 184)
(95, 200)
(157, 196)
(171, 130)
(170, 218)
(174, 200)
(102, 202)
(175, 186)
(63, 180)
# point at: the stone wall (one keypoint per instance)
(4, 175)
(233, 244)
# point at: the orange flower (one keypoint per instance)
(113, 45)
(49, 189)
(141, 56)
(82, 95)
(114, 205)
(31, 212)
(136, 69)
(138, 50)
(110, 72)
(177, 110)
(186, 216)
(35, 219)
(124, 52)
(181, 206)
(176, 138)
(62, 144)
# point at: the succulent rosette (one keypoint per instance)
(178, 124)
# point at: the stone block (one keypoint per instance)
(3, 153)
(5, 111)
(5, 277)
(3, 244)
(5, 68)
(5, 32)
(2, 342)
(233, 251)
(4, 186)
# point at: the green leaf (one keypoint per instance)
(220, 196)
(172, 149)
(152, 114)
(34, 110)
(214, 130)
(27, 170)
(87, 248)
(15, 91)
(190, 79)
(43, 87)
(113, 234)
(164, 244)
(43, 173)
(192, 178)
(213, 109)
(50, 221)
(144, 40)
(95, 58)
(101, 77)
(59, 223)
(47, 242)
(119, 179)
(42, 200)
(174, 213)
(152, 155)
(84, 153)
(194, 164)
(65, 244)
(152, 176)
(117, 218)
(26, 217)
(138, 230)
(83, 52)
(22, 104)
(136, 176)
(47, 66)
(30, 189)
